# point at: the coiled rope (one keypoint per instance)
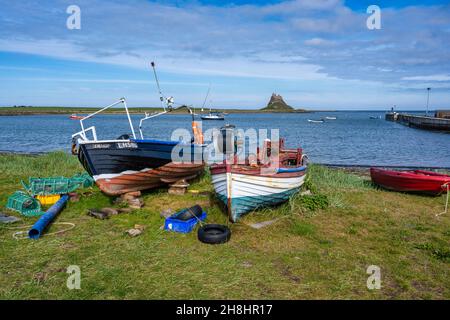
(19, 235)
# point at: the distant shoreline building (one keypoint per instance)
(444, 114)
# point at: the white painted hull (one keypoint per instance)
(243, 193)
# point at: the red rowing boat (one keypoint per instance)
(411, 181)
(75, 117)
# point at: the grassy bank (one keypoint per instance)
(320, 248)
(28, 110)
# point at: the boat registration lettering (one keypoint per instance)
(101, 146)
(127, 145)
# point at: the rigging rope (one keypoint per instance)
(446, 201)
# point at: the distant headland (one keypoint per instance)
(276, 104)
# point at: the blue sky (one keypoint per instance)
(318, 54)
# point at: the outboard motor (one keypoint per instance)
(226, 140)
(124, 137)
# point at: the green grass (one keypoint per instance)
(308, 254)
(23, 166)
(302, 228)
(336, 180)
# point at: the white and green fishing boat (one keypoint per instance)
(246, 187)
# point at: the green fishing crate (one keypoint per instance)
(25, 204)
(46, 186)
(83, 179)
(57, 185)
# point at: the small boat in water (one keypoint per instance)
(75, 117)
(330, 118)
(246, 187)
(411, 181)
(375, 117)
(315, 121)
(213, 116)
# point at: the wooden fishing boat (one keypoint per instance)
(127, 163)
(411, 181)
(246, 187)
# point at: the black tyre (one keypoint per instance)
(214, 234)
(186, 214)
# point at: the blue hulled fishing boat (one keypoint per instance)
(128, 163)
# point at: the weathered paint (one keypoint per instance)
(244, 193)
(240, 206)
(148, 179)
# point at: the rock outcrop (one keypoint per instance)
(277, 103)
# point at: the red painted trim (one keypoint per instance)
(222, 168)
(284, 155)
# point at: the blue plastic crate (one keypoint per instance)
(173, 224)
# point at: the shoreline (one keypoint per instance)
(352, 168)
(28, 111)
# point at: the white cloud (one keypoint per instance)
(318, 42)
(287, 42)
(317, 38)
(275, 66)
(434, 77)
(296, 6)
(112, 81)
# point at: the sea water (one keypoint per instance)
(353, 138)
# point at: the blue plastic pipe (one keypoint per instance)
(37, 229)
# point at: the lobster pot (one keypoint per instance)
(25, 204)
(83, 180)
(57, 185)
(45, 186)
(226, 140)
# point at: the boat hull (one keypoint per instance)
(315, 121)
(242, 193)
(212, 118)
(410, 181)
(121, 166)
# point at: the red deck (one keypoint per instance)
(287, 159)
